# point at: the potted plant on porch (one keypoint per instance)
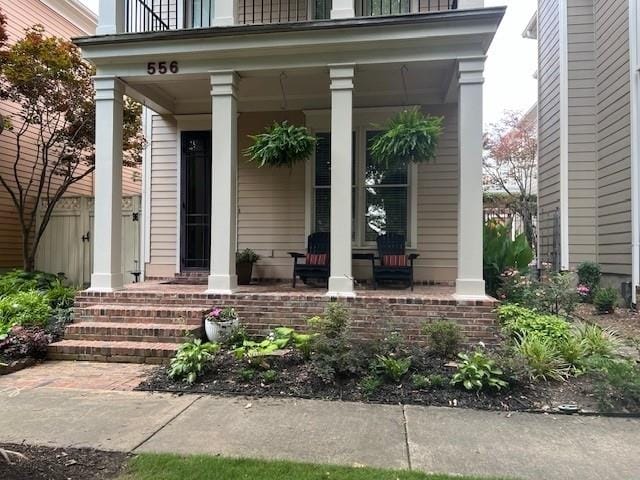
(244, 265)
(281, 145)
(219, 322)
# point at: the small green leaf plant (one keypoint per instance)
(605, 300)
(410, 136)
(191, 359)
(477, 371)
(392, 368)
(281, 145)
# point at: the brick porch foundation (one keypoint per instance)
(145, 322)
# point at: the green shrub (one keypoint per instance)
(420, 382)
(269, 376)
(191, 359)
(500, 253)
(332, 353)
(392, 368)
(445, 337)
(617, 383)
(542, 358)
(236, 337)
(478, 371)
(520, 321)
(556, 296)
(247, 256)
(605, 300)
(370, 384)
(589, 275)
(60, 296)
(247, 374)
(437, 381)
(27, 309)
(597, 341)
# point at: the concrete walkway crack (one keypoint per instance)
(406, 435)
(155, 432)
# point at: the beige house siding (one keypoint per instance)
(549, 122)
(163, 204)
(614, 167)
(20, 15)
(582, 158)
(271, 203)
(438, 204)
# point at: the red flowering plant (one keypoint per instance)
(584, 291)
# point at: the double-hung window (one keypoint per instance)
(381, 195)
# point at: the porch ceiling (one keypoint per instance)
(298, 89)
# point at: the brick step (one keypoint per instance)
(159, 315)
(149, 300)
(109, 351)
(131, 332)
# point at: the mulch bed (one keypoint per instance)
(45, 463)
(296, 379)
(623, 321)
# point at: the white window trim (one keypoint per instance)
(363, 119)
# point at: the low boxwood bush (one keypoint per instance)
(27, 309)
(605, 300)
(444, 336)
(520, 321)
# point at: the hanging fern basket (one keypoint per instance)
(410, 136)
(281, 145)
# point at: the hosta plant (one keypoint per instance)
(392, 368)
(477, 371)
(281, 145)
(191, 359)
(410, 136)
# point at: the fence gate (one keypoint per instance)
(67, 244)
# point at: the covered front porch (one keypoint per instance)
(341, 81)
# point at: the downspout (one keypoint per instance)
(564, 134)
(634, 63)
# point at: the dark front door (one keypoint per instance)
(196, 200)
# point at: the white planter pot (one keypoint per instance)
(217, 331)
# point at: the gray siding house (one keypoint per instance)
(588, 174)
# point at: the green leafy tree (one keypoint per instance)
(52, 87)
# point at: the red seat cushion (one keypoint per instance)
(317, 258)
(394, 261)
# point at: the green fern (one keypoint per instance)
(409, 136)
(282, 145)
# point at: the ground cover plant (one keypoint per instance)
(34, 309)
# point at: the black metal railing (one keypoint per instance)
(157, 15)
(371, 8)
(150, 15)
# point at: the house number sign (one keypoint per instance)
(162, 67)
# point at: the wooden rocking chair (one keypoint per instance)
(395, 265)
(316, 263)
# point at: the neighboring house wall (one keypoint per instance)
(599, 168)
(548, 123)
(20, 15)
(614, 165)
(582, 156)
(271, 203)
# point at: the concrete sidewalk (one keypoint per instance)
(442, 440)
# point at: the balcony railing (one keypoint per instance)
(157, 15)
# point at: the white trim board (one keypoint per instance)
(564, 134)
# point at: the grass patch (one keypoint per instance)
(201, 467)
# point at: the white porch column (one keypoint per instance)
(224, 114)
(340, 278)
(342, 9)
(110, 17)
(107, 228)
(469, 283)
(225, 13)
